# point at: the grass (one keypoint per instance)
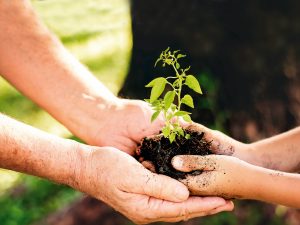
(98, 33)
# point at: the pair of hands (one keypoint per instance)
(119, 180)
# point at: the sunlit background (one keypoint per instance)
(98, 33)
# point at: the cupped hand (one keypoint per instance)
(223, 176)
(119, 180)
(126, 124)
(224, 145)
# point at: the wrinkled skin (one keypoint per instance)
(128, 122)
(136, 192)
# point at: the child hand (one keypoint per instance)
(224, 176)
(221, 143)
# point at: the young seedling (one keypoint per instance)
(171, 111)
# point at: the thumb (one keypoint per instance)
(163, 187)
(188, 163)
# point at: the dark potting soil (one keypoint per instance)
(160, 151)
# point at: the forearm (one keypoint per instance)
(281, 152)
(37, 64)
(28, 150)
(275, 187)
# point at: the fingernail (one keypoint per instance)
(177, 162)
(215, 145)
(230, 205)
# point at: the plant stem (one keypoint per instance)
(179, 89)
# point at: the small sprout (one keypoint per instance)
(172, 112)
(187, 136)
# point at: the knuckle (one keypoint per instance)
(159, 191)
(139, 216)
(184, 213)
(159, 187)
(217, 133)
(154, 186)
(147, 216)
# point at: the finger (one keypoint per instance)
(122, 143)
(220, 143)
(200, 128)
(185, 218)
(211, 136)
(188, 163)
(192, 207)
(162, 187)
(149, 165)
(225, 208)
(194, 215)
(201, 185)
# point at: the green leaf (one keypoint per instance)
(187, 118)
(154, 116)
(172, 137)
(157, 61)
(188, 100)
(169, 98)
(157, 80)
(173, 107)
(167, 50)
(156, 103)
(187, 69)
(156, 107)
(166, 131)
(180, 131)
(158, 86)
(176, 83)
(181, 113)
(156, 91)
(180, 56)
(187, 136)
(177, 65)
(169, 116)
(168, 61)
(193, 84)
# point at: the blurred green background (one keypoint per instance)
(98, 33)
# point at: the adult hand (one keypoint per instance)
(124, 125)
(67, 90)
(119, 180)
(223, 176)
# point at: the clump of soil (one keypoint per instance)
(160, 151)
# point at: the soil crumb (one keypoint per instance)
(158, 150)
